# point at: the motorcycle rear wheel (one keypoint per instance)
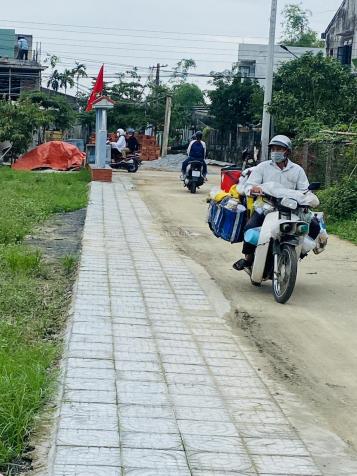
(193, 187)
(284, 278)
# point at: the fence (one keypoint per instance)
(327, 162)
(228, 147)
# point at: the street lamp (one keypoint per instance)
(283, 47)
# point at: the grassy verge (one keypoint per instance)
(345, 229)
(340, 206)
(33, 300)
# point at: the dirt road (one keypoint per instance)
(309, 343)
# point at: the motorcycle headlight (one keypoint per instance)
(302, 229)
(286, 227)
(289, 203)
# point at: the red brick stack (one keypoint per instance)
(149, 149)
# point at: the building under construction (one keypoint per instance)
(18, 75)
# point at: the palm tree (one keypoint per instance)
(79, 71)
(54, 80)
(66, 79)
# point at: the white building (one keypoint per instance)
(252, 58)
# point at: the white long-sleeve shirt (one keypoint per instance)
(120, 144)
(292, 176)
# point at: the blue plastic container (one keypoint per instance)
(252, 236)
(225, 223)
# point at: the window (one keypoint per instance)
(344, 54)
(247, 69)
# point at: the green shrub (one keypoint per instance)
(340, 201)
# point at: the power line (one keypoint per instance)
(127, 29)
(100, 61)
(135, 36)
(41, 38)
(136, 49)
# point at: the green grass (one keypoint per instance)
(339, 204)
(34, 297)
(346, 229)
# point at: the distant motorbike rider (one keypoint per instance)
(278, 169)
(196, 152)
(120, 144)
(132, 142)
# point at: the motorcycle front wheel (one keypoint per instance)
(133, 168)
(284, 278)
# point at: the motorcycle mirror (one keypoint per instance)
(315, 186)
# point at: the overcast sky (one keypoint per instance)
(205, 30)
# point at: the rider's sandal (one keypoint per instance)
(241, 264)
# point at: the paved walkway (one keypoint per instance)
(155, 383)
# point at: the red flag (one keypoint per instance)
(97, 90)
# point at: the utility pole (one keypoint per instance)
(157, 79)
(269, 82)
(158, 69)
(165, 138)
(157, 82)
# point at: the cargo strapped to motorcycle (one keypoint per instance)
(225, 223)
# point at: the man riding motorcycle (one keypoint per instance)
(281, 170)
(196, 152)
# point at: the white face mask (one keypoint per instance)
(277, 157)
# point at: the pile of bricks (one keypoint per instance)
(149, 149)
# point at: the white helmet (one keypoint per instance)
(121, 132)
(283, 141)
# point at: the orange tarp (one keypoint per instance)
(55, 155)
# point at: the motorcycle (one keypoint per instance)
(194, 176)
(131, 162)
(283, 238)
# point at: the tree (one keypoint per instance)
(297, 31)
(235, 100)
(79, 71)
(18, 122)
(185, 97)
(54, 80)
(56, 111)
(313, 91)
(129, 108)
(182, 69)
(66, 79)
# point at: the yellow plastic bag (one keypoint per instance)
(250, 206)
(233, 192)
(220, 196)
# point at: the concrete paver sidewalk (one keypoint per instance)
(155, 383)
